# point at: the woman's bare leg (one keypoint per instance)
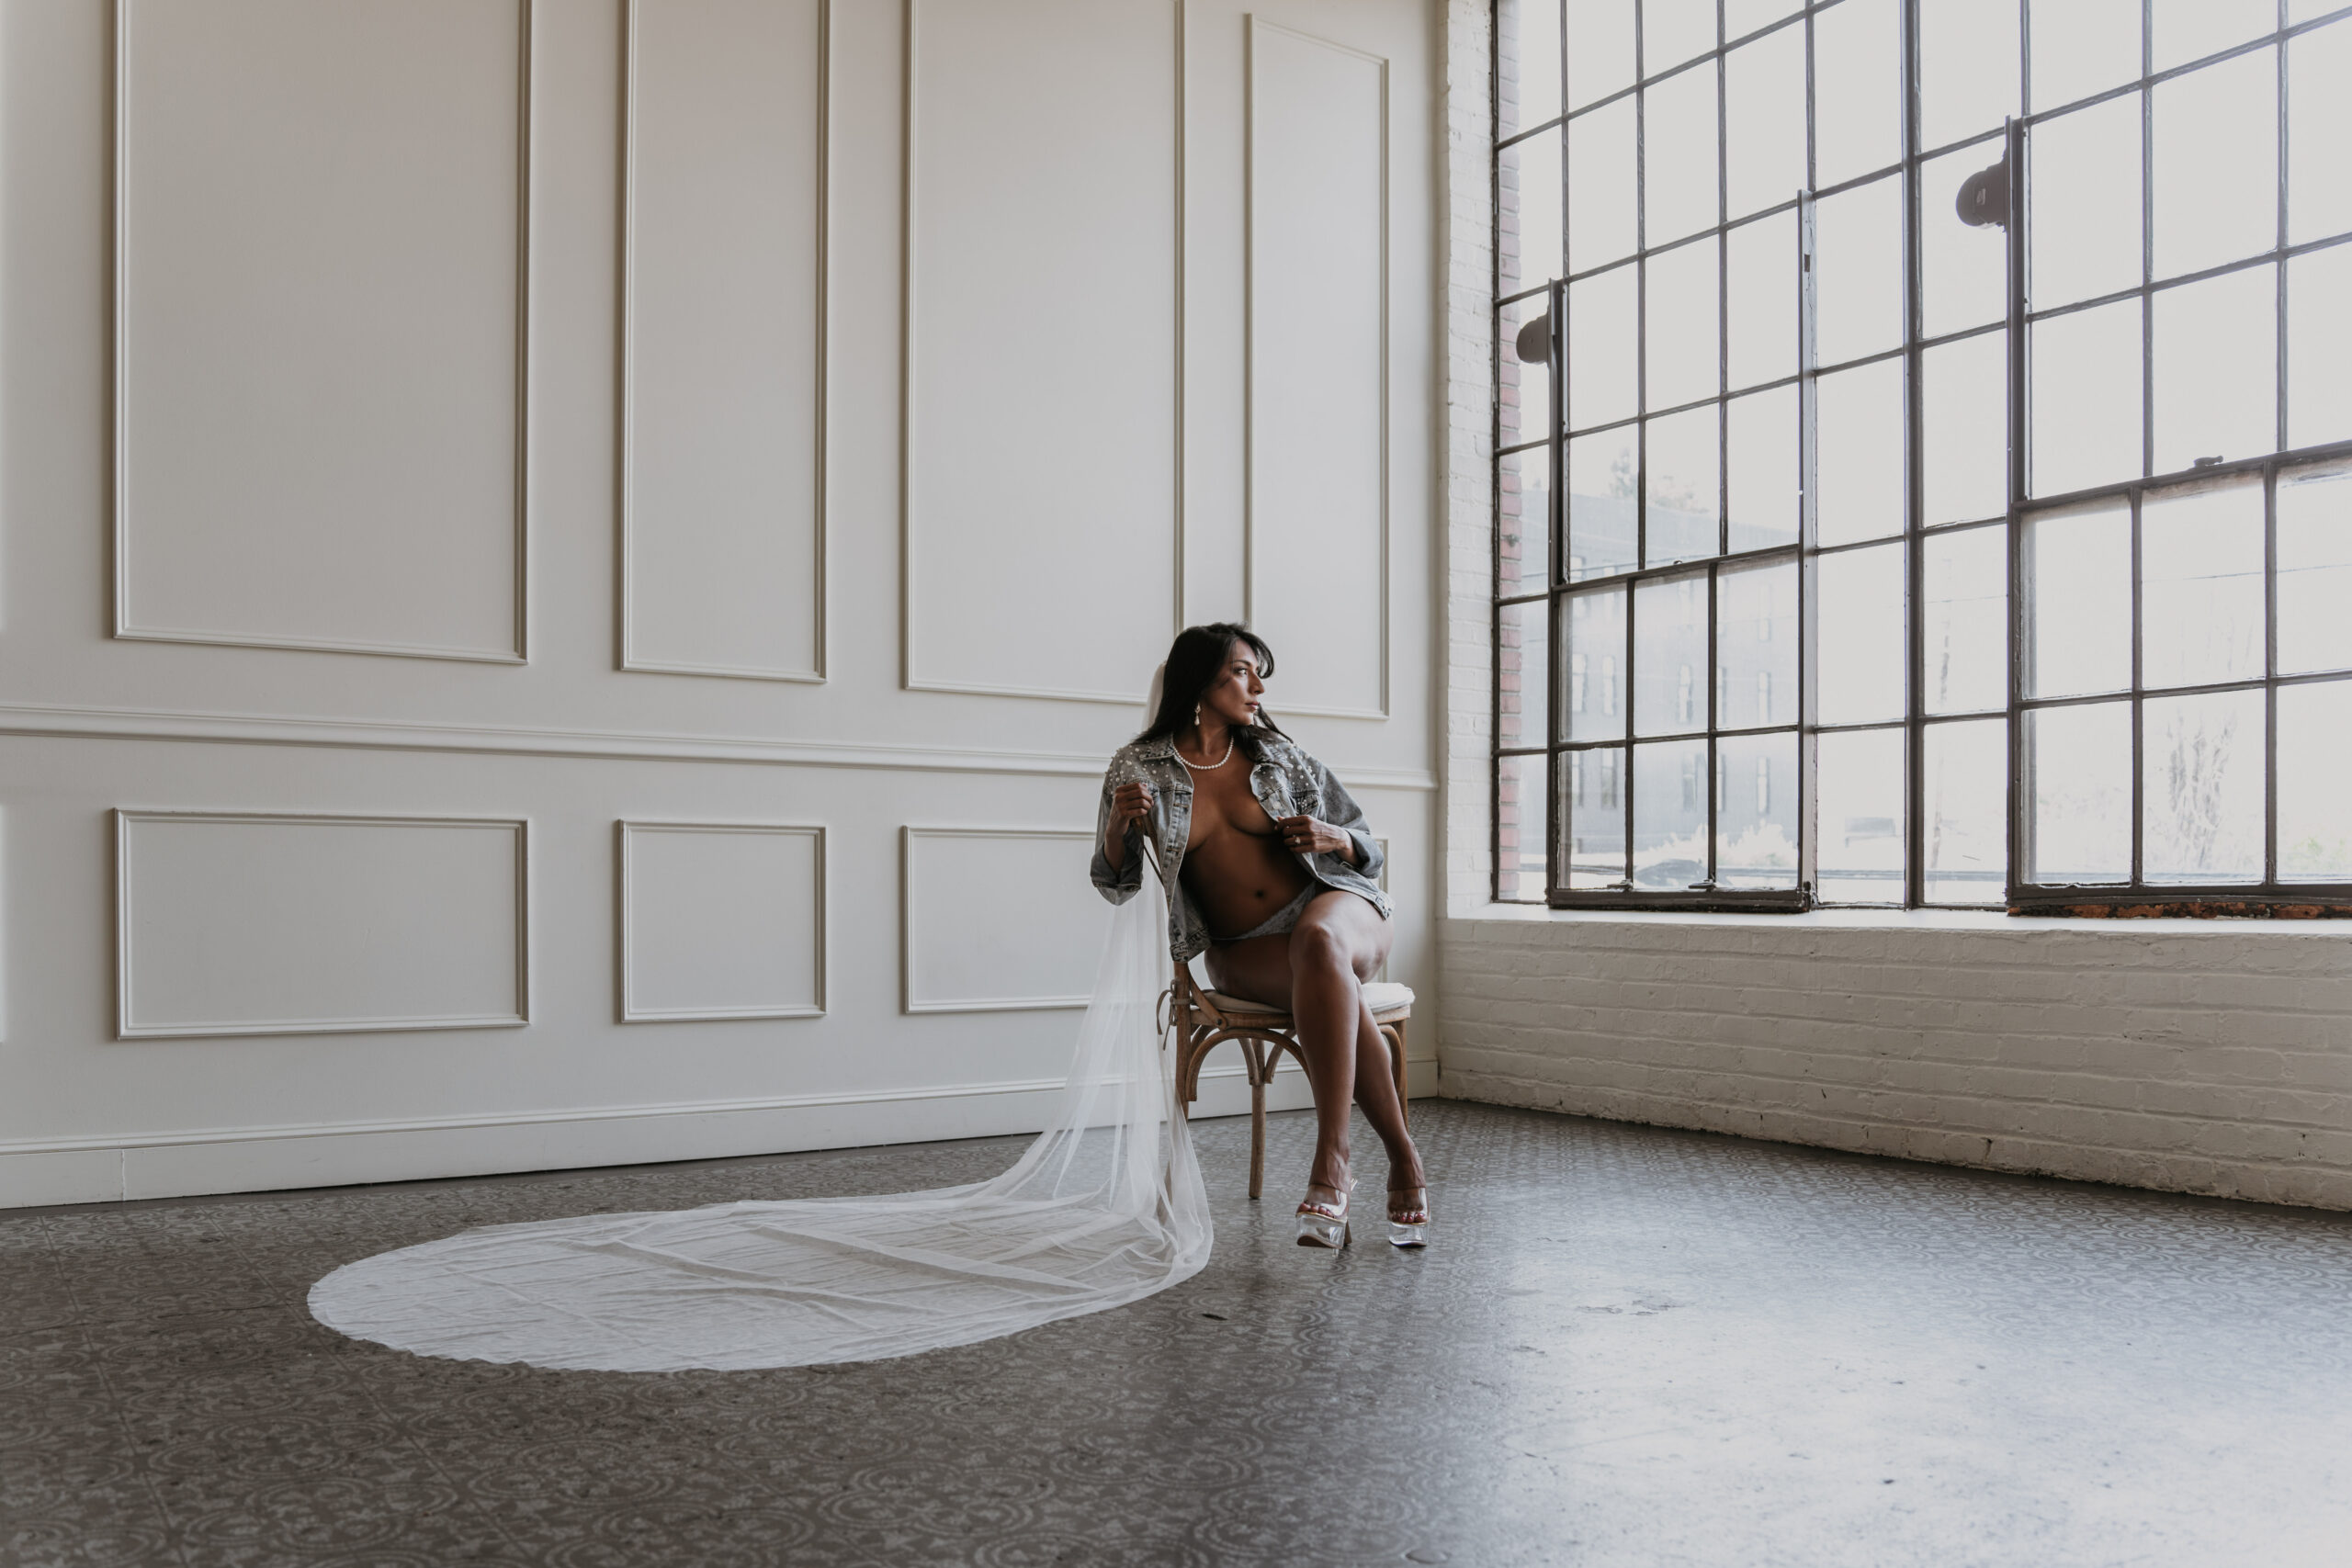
(1316, 973)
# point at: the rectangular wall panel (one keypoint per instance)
(722, 919)
(999, 919)
(1317, 485)
(723, 374)
(1042, 301)
(284, 924)
(320, 228)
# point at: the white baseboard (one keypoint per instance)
(257, 1160)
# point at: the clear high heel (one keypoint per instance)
(1409, 1223)
(1325, 1224)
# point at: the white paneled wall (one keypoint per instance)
(747, 423)
(1318, 365)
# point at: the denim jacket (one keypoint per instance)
(1287, 783)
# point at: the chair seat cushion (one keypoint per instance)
(1388, 999)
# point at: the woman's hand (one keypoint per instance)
(1305, 836)
(1130, 807)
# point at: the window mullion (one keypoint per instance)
(2019, 412)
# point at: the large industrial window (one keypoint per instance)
(1876, 528)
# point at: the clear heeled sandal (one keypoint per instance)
(1409, 1223)
(1325, 1224)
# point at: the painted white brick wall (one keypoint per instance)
(2182, 1055)
(2196, 1056)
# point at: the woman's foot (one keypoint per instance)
(1408, 1217)
(1323, 1218)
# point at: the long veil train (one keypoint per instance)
(1105, 1208)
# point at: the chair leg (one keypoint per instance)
(1258, 1116)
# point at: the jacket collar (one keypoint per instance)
(1157, 751)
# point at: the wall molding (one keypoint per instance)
(134, 1166)
(626, 390)
(909, 679)
(1249, 398)
(908, 836)
(118, 240)
(626, 830)
(127, 1028)
(60, 721)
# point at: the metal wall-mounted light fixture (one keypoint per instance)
(1536, 339)
(1984, 198)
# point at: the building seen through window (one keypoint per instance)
(1924, 441)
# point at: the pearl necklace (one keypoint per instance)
(1208, 767)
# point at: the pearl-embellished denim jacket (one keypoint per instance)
(1287, 783)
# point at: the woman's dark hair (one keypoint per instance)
(1194, 661)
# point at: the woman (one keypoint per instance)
(1269, 871)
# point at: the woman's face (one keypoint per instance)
(1233, 696)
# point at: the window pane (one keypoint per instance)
(1858, 272)
(1528, 223)
(1682, 308)
(1859, 453)
(1685, 493)
(1968, 68)
(1763, 279)
(2217, 369)
(2201, 586)
(1594, 682)
(2318, 128)
(1600, 49)
(1964, 271)
(1858, 79)
(1594, 782)
(1764, 477)
(1860, 857)
(1601, 344)
(1859, 625)
(2319, 345)
(1600, 186)
(2314, 759)
(1965, 835)
(2315, 572)
(2183, 30)
(1523, 539)
(1525, 389)
(2086, 371)
(1669, 814)
(1603, 537)
(1967, 429)
(2085, 198)
(2078, 790)
(1670, 655)
(2078, 602)
(1756, 646)
(2081, 47)
(1521, 700)
(1744, 16)
(1967, 667)
(2216, 164)
(1527, 58)
(1756, 811)
(1520, 828)
(2203, 788)
(1764, 120)
(1674, 31)
(1678, 147)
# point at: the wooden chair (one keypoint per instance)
(1203, 1020)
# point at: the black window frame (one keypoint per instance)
(2005, 148)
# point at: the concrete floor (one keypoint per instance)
(1627, 1346)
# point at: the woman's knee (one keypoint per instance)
(1315, 946)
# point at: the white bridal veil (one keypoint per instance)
(1105, 1208)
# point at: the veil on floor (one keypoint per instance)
(1104, 1208)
